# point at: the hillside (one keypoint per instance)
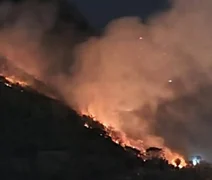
(42, 138)
(47, 136)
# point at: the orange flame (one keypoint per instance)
(121, 138)
(172, 156)
(15, 80)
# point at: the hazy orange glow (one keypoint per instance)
(121, 138)
(117, 136)
(172, 156)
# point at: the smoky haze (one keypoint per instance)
(150, 81)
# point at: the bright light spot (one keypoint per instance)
(86, 125)
(170, 81)
(140, 38)
(195, 161)
(8, 85)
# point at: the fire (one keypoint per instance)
(116, 135)
(14, 80)
(121, 138)
(172, 157)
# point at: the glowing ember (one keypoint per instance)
(14, 80)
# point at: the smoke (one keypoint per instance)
(151, 81)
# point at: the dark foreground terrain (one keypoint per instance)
(40, 138)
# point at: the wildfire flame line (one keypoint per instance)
(116, 136)
(124, 141)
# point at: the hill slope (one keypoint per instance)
(47, 136)
(42, 138)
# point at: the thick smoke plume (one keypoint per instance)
(151, 81)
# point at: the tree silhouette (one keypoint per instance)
(177, 162)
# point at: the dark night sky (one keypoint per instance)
(100, 12)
